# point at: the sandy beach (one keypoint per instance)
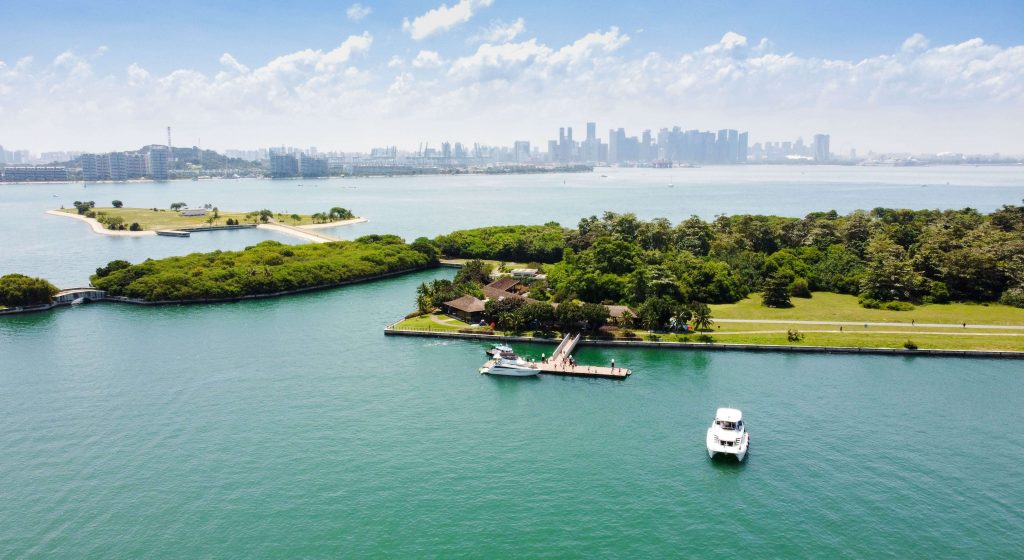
(98, 227)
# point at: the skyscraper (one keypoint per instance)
(821, 150)
(158, 163)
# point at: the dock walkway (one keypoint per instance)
(559, 363)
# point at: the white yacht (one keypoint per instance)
(727, 435)
(499, 350)
(517, 367)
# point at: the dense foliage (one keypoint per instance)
(887, 257)
(505, 243)
(268, 267)
(17, 290)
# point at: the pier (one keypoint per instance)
(560, 364)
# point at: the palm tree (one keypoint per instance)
(701, 316)
(296, 218)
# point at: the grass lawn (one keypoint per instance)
(826, 306)
(881, 338)
(151, 219)
(425, 323)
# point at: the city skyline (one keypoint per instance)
(350, 77)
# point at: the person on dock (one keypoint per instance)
(613, 364)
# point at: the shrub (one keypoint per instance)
(800, 288)
(135, 227)
(909, 345)
(1013, 296)
(898, 306)
(17, 290)
(705, 338)
(90, 214)
(628, 334)
(869, 303)
(938, 292)
(794, 335)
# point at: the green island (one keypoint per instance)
(882, 278)
(178, 215)
(269, 267)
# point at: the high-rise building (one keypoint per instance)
(158, 163)
(283, 165)
(118, 165)
(591, 131)
(137, 165)
(312, 166)
(821, 150)
(521, 150)
(741, 155)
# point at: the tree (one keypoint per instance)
(135, 227)
(655, 313)
(178, 206)
(537, 314)
(569, 316)
(776, 291)
(115, 222)
(18, 290)
(265, 215)
(84, 207)
(701, 316)
(474, 271)
(117, 204)
(216, 213)
(594, 315)
(339, 213)
(296, 218)
(889, 275)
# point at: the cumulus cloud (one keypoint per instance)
(442, 18)
(427, 59)
(357, 11)
(962, 92)
(500, 32)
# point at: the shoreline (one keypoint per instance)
(284, 229)
(717, 346)
(130, 301)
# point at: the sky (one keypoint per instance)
(908, 76)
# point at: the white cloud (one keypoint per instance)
(442, 18)
(427, 59)
(945, 96)
(500, 32)
(357, 11)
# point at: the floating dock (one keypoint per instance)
(173, 233)
(559, 364)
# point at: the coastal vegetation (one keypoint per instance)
(890, 259)
(266, 268)
(117, 217)
(17, 290)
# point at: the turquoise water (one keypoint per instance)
(294, 428)
(66, 251)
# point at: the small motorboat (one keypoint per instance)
(499, 350)
(517, 367)
(78, 301)
(728, 435)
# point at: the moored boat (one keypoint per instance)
(728, 435)
(517, 367)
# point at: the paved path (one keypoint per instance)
(954, 333)
(868, 323)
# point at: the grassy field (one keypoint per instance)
(437, 322)
(825, 306)
(944, 338)
(151, 219)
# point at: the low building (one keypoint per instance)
(524, 274)
(193, 212)
(467, 308)
(27, 173)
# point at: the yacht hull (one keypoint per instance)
(511, 371)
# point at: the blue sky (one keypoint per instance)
(105, 75)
